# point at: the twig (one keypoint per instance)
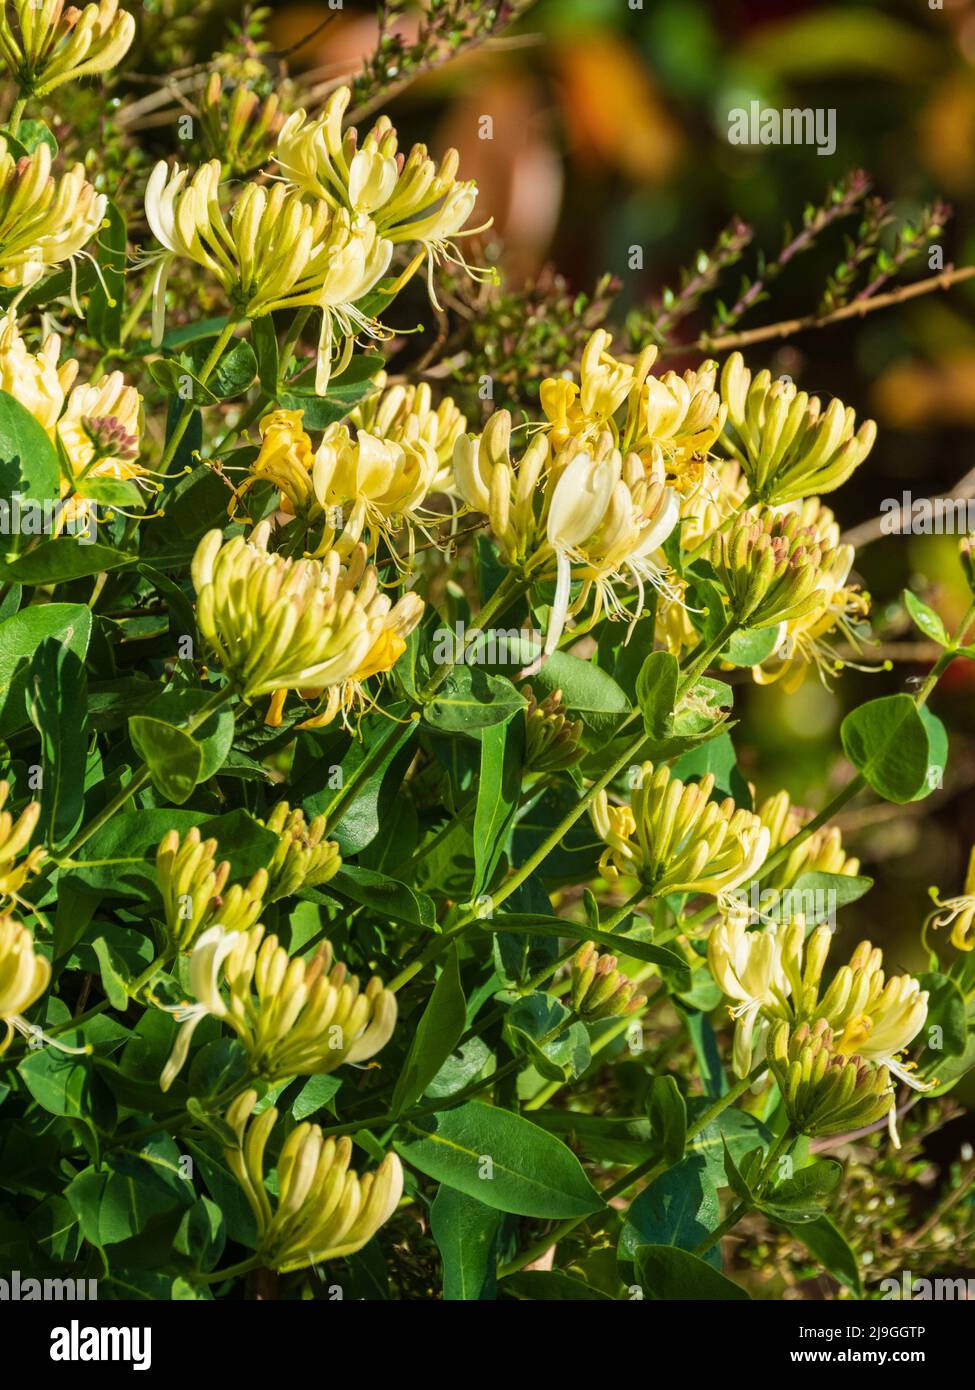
(889, 523)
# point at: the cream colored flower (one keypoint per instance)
(34, 379)
(44, 44)
(675, 419)
(411, 199)
(323, 1210)
(575, 411)
(92, 450)
(293, 1017)
(44, 219)
(402, 414)
(287, 624)
(957, 913)
(275, 251)
(822, 852)
(24, 976)
(674, 839)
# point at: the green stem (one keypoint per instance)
(186, 414)
(702, 661)
(231, 1272)
(137, 310)
(16, 114)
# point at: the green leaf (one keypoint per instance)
(750, 646)
(201, 1235)
(344, 393)
(466, 1232)
(498, 796)
(803, 1197)
(946, 1011)
(678, 1208)
(588, 693)
(174, 758)
(116, 1201)
(20, 636)
(624, 945)
(543, 1030)
(500, 1159)
(470, 700)
(667, 1111)
(59, 711)
(926, 619)
(831, 1249)
(384, 896)
(818, 895)
(886, 741)
(57, 561)
(215, 736)
(937, 753)
(664, 1272)
(28, 459)
(114, 976)
(656, 692)
(552, 1286)
(439, 1031)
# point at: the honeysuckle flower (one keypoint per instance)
(382, 656)
(190, 881)
(323, 1209)
(15, 836)
(285, 459)
(674, 839)
(101, 430)
(281, 624)
(303, 858)
(552, 739)
(44, 44)
(710, 494)
(788, 446)
(822, 852)
(488, 481)
(34, 379)
(957, 913)
(825, 1091)
(599, 989)
(772, 569)
(210, 951)
(675, 419)
(293, 1017)
(24, 976)
(274, 252)
(44, 219)
(575, 411)
(401, 414)
(749, 970)
(379, 485)
(409, 199)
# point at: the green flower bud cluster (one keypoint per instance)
(552, 740)
(787, 445)
(771, 568)
(599, 989)
(303, 857)
(824, 1091)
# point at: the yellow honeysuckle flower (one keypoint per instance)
(24, 976)
(275, 251)
(44, 44)
(401, 414)
(409, 200)
(376, 484)
(574, 411)
(323, 1209)
(276, 623)
(15, 836)
(293, 1017)
(44, 219)
(788, 446)
(285, 459)
(674, 419)
(822, 852)
(674, 839)
(34, 379)
(957, 913)
(825, 1091)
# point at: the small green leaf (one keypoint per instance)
(437, 1034)
(667, 1112)
(926, 619)
(173, 757)
(656, 692)
(665, 1272)
(887, 742)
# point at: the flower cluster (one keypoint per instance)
(774, 974)
(598, 989)
(45, 219)
(675, 839)
(278, 624)
(323, 1209)
(24, 976)
(293, 1017)
(44, 44)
